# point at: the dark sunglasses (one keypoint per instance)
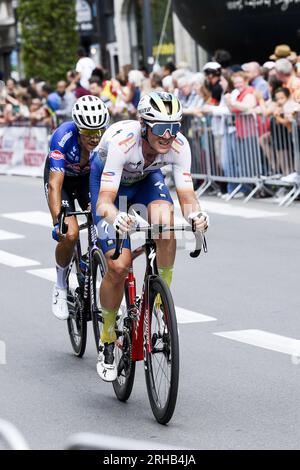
(159, 129)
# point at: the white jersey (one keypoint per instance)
(121, 151)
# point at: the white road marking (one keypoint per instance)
(50, 275)
(222, 208)
(15, 261)
(183, 315)
(32, 217)
(188, 316)
(264, 339)
(4, 235)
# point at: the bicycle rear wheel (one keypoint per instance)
(99, 270)
(162, 364)
(77, 321)
(123, 355)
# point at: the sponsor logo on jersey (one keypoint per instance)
(117, 132)
(65, 138)
(136, 165)
(129, 142)
(187, 174)
(57, 155)
(108, 173)
(177, 144)
(179, 141)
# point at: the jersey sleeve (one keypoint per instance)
(57, 152)
(182, 164)
(113, 169)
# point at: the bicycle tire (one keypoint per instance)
(126, 368)
(166, 343)
(77, 315)
(98, 265)
(122, 388)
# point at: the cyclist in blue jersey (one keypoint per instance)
(66, 178)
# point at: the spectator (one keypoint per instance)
(283, 51)
(38, 114)
(16, 110)
(64, 112)
(96, 89)
(190, 100)
(212, 71)
(167, 83)
(2, 110)
(268, 69)
(74, 85)
(51, 98)
(285, 107)
(243, 99)
(223, 58)
(156, 82)
(84, 68)
(135, 82)
(224, 134)
(287, 76)
(255, 78)
(10, 88)
(168, 69)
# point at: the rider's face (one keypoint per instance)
(89, 142)
(161, 145)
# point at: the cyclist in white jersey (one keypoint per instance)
(127, 165)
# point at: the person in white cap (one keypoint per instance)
(213, 71)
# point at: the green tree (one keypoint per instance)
(49, 37)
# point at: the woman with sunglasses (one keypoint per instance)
(126, 172)
(66, 178)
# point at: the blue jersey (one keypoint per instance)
(65, 151)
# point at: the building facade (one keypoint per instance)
(129, 44)
(7, 35)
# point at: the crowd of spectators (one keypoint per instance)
(244, 87)
(271, 89)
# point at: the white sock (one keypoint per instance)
(61, 282)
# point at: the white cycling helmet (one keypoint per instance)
(89, 112)
(160, 107)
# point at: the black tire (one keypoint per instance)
(99, 268)
(77, 321)
(165, 349)
(126, 366)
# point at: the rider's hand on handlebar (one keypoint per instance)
(56, 235)
(200, 220)
(124, 222)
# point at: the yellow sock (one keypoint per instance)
(166, 274)
(108, 334)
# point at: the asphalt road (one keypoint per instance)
(240, 366)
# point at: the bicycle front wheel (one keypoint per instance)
(162, 363)
(77, 321)
(99, 269)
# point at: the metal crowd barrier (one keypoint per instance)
(12, 439)
(248, 152)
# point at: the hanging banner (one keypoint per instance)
(23, 150)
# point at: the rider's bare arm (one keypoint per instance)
(56, 180)
(106, 207)
(188, 202)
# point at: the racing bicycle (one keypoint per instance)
(146, 326)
